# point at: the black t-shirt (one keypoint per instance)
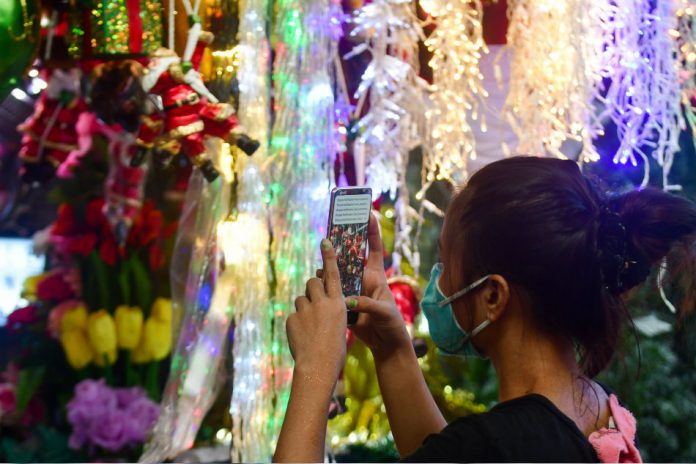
(526, 429)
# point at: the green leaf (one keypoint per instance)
(141, 284)
(123, 272)
(28, 382)
(99, 269)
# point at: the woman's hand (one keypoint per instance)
(380, 324)
(317, 331)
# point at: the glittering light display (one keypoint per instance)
(116, 27)
(643, 94)
(552, 82)
(685, 36)
(301, 163)
(394, 122)
(251, 404)
(456, 44)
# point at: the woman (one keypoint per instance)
(534, 263)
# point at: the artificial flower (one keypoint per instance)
(8, 399)
(21, 316)
(162, 310)
(74, 316)
(29, 286)
(101, 331)
(65, 223)
(54, 287)
(158, 338)
(129, 326)
(77, 350)
(141, 354)
(109, 418)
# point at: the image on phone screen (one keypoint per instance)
(347, 231)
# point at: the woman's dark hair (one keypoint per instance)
(546, 228)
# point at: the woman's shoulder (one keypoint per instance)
(527, 429)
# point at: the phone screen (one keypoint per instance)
(347, 230)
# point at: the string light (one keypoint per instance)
(686, 45)
(301, 163)
(643, 94)
(456, 44)
(551, 76)
(251, 405)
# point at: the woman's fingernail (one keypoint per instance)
(325, 244)
(352, 303)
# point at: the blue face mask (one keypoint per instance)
(445, 331)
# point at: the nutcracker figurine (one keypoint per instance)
(190, 111)
(49, 134)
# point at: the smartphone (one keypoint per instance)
(349, 217)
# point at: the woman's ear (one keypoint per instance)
(495, 296)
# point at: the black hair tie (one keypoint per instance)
(622, 267)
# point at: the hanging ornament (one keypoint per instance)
(191, 112)
(457, 45)
(19, 40)
(50, 133)
(397, 96)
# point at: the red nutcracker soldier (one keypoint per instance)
(49, 134)
(190, 111)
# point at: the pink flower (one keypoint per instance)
(109, 418)
(142, 415)
(112, 432)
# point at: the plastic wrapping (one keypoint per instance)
(201, 318)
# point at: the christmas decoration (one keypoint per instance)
(114, 27)
(191, 112)
(19, 40)
(393, 124)
(50, 133)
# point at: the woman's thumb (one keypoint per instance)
(365, 304)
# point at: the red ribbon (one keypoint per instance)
(135, 26)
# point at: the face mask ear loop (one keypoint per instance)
(462, 292)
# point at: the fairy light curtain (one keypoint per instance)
(300, 164)
(247, 239)
(457, 46)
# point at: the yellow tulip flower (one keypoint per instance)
(129, 326)
(158, 338)
(74, 318)
(141, 353)
(101, 331)
(30, 284)
(77, 349)
(162, 310)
